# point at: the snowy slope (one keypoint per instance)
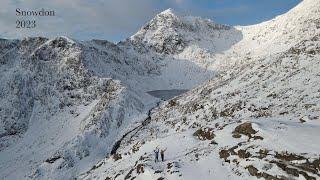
(260, 123)
(274, 36)
(66, 105)
(52, 104)
(184, 37)
(65, 102)
(258, 118)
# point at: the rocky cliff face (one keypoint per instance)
(49, 84)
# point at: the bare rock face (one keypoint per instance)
(245, 129)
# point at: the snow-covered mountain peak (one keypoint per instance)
(169, 11)
(168, 18)
(173, 19)
(61, 41)
(171, 33)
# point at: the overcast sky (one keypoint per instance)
(115, 20)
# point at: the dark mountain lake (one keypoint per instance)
(167, 94)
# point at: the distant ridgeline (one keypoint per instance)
(41, 12)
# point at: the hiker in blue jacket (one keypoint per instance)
(156, 154)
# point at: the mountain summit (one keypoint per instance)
(171, 33)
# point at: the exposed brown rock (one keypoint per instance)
(254, 172)
(293, 171)
(245, 129)
(224, 154)
(285, 156)
(263, 153)
(116, 157)
(169, 165)
(204, 134)
(128, 176)
(236, 135)
(140, 168)
(243, 154)
(173, 102)
(302, 120)
(257, 138)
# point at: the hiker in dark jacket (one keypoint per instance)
(156, 154)
(162, 154)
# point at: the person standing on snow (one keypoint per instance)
(156, 154)
(162, 154)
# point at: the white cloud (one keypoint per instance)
(104, 19)
(80, 19)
